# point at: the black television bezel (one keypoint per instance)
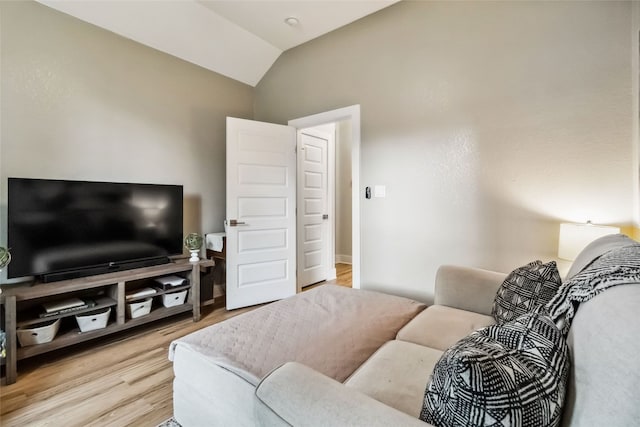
(102, 268)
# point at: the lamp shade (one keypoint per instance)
(575, 237)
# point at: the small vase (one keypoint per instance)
(194, 255)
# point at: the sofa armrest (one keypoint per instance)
(295, 395)
(466, 288)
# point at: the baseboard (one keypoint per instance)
(343, 259)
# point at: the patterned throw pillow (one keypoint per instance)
(514, 374)
(526, 289)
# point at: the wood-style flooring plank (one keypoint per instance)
(102, 384)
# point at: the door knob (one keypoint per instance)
(235, 222)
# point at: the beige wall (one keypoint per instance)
(79, 102)
(488, 122)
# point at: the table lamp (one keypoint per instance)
(575, 237)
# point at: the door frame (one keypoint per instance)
(351, 113)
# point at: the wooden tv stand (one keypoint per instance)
(22, 303)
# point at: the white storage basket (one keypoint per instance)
(174, 298)
(137, 309)
(39, 333)
(94, 320)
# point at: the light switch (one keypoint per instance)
(380, 191)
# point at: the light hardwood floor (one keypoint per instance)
(343, 277)
(123, 381)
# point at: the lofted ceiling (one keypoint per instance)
(240, 39)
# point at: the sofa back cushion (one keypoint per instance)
(605, 372)
(596, 248)
(604, 348)
(510, 374)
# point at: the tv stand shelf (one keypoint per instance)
(32, 318)
(22, 302)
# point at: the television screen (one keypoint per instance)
(59, 228)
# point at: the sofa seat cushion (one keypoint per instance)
(440, 327)
(397, 375)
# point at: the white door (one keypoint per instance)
(261, 220)
(313, 212)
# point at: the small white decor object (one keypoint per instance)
(174, 298)
(39, 333)
(138, 309)
(94, 320)
(193, 242)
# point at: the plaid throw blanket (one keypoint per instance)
(616, 267)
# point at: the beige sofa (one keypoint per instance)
(388, 389)
(331, 329)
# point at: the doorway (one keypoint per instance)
(324, 219)
(348, 119)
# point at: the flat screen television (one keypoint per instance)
(59, 229)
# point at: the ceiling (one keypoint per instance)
(240, 39)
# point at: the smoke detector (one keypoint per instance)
(292, 21)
